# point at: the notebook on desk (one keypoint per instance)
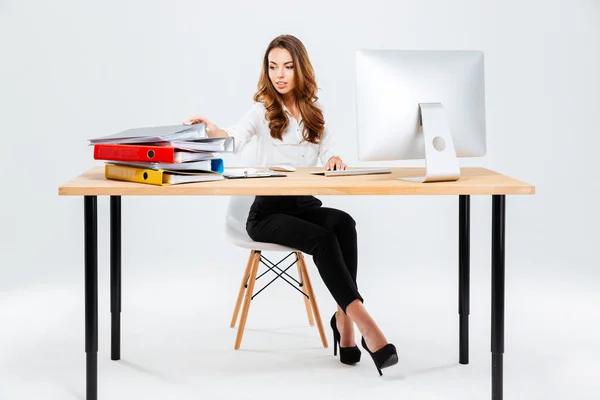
(353, 172)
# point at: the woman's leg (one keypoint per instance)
(344, 227)
(312, 239)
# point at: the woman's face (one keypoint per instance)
(281, 70)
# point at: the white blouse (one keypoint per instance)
(289, 150)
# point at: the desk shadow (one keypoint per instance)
(310, 337)
(282, 331)
(76, 394)
(147, 371)
(423, 371)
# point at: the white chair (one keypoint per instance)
(237, 213)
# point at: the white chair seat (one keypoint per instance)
(244, 241)
(236, 224)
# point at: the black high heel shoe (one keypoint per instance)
(384, 357)
(348, 355)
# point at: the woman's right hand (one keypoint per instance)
(211, 129)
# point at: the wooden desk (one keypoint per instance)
(474, 181)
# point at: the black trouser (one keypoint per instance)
(328, 234)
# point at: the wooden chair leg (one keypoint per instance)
(309, 312)
(238, 302)
(249, 292)
(313, 301)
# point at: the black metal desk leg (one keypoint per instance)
(91, 295)
(115, 276)
(498, 233)
(464, 273)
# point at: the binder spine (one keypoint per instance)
(133, 174)
(121, 152)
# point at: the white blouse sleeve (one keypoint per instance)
(328, 146)
(246, 127)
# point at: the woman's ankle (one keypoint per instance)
(346, 328)
(366, 325)
(374, 337)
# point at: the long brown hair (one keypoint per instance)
(305, 91)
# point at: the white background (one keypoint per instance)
(72, 70)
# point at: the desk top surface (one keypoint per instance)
(473, 181)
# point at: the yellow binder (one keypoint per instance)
(158, 177)
(132, 174)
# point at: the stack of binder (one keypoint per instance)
(164, 155)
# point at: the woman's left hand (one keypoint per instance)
(335, 163)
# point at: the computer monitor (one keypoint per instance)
(421, 104)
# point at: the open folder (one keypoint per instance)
(234, 173)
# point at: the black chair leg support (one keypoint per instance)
(115, 276)
(91, 294)
(498, 273)
(464, 273)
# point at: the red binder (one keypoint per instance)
(162, 154)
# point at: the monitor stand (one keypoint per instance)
(441, 163)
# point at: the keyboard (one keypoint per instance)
(357, 171)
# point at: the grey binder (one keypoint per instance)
(166, 133)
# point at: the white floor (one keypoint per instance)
(177, 343)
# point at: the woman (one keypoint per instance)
(290, 129)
